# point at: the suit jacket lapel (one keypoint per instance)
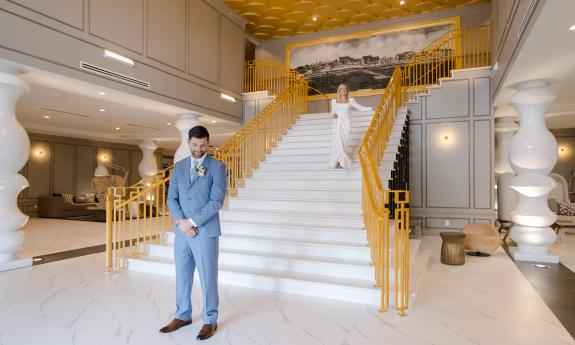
(185, 170)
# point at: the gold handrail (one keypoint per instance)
(137, 215)
(378, 203)
(247, 147)
(457, 49)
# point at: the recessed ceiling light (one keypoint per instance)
(118, 58)
(37, 259)
(402, 2)
(102, 110)
(314, 19)
(117, 128)
(572, 28)
(540, 266)
(214, 121)
(169, 123)
(46, 116)
(102, 93)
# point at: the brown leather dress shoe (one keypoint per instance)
(207, 331)
(174, 325)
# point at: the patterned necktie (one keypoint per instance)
(194, 172)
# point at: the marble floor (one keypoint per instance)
(485, 301)
(45, 236)
(566, 250)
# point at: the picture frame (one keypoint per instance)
(352, 59)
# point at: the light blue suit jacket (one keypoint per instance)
(201, 200)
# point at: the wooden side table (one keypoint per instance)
(452, 252)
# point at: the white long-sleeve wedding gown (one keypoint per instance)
(341, 130)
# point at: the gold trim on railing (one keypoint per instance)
(247, 147)
(385, 210)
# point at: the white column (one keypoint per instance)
(532, 154)
(148, 166)
(184, 123)
(505, 127)
(14, 153)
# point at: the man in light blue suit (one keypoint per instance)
(195, 195)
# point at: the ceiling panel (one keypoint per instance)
(267, 18)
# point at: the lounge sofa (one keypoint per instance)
(55, 207)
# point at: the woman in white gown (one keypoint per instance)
(340, 109)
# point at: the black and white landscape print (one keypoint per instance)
(362, 63)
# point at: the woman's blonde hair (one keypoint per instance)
(342, 84)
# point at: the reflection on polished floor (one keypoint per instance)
(485, 301)
(47, 236)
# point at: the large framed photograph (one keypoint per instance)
(364, 60)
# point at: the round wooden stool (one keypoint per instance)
(452, 252)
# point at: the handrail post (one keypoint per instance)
(109, 230)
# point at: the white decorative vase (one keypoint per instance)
(148, 166)
(184, 123)
(532, 154)
(14, 154)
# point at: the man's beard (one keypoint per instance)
(199, 156)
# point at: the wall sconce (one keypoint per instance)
(39, 153)
(104, 158)
(562, 150)
(445, 138)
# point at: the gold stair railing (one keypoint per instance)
(386, 212)
(457, 49)
(377, 202)
(247, 147)
(138, 215)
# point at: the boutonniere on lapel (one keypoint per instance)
(201, 170)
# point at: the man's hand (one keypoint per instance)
(186, 227)
(334, 115)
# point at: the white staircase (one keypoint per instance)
(297, 225)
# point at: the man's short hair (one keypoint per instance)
(198, 132)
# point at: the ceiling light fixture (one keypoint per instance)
(169, 123)
(227, 98)
(540, 266)
(572, 28)
(118, 58)
(314, 19)
(214, 121)
(102, 93)
(103, 110)
(117, 128)
(402, 2)
(46, 116)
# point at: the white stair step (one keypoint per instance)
(312, 158)
(304, 194)
(363, 123)
(309, 219)
(281, 176)
(328, 115)
(327, 137)
(350, 235)
(328, 267)
(305, 183)
(314, 132)
(347, 208)
(343, 289)
(307, 166)
(279, 245)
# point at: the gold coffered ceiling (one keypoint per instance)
(267, 19)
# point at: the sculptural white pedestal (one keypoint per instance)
(148, 167)
(14, 155)
(532, 154)
(184, 123)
